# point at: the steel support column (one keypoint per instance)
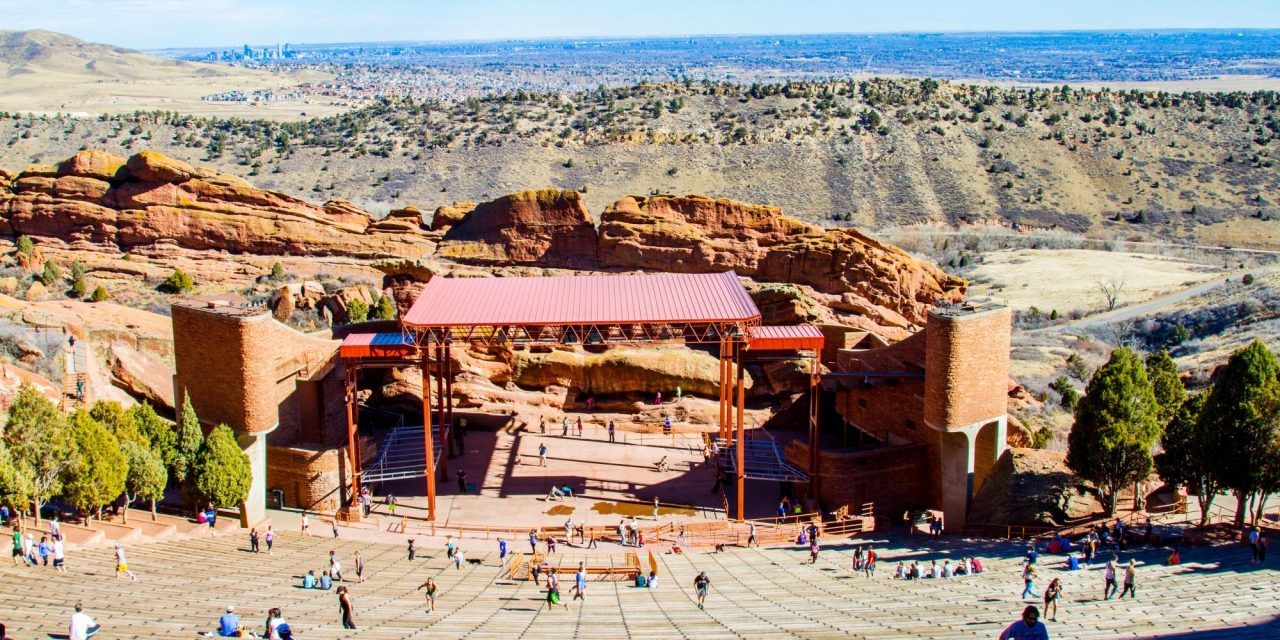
(444, 460)
(742, 458)
(353, 455)
(448, 388)
(426, 433)
(815, 437)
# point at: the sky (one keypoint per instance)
(154, 24)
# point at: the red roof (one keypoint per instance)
(785, 338)
(376, 345)
(596, 299)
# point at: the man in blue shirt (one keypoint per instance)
(229, 623)
(502, 550)
(1028, 628)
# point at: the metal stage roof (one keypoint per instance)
(577, 300)
(403, 454)
(377, 345)
(763, 460)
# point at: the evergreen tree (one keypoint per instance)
(277, 271)
(385, 309)
(357, 311)
(1188, 453)
(177, 282)
(1239, 413)
(1115, 426)
(50, 274)
(100, 294)
(24, 245)
(147, 476)
(1167, 386)
(117, 421)
(158, 433)
(189, 439)
(98, 475)
(222, 471)
(39, 444)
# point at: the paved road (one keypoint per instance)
(1154, 305)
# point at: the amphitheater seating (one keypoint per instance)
(184, 584)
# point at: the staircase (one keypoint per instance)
(75, 374)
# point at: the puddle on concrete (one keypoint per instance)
(559, 510)
(638, 509)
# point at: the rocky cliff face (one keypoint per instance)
(117, 203)
(549, 228)
(108, 200)
(698, 234)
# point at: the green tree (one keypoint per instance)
(357, 311)
(222, 472)
(51, 273)
(117, 421)
(1070, 397)
(277, 271)
(1167, 386)
(385, 309)
(189, 440)
(158, 432)
(1115, 426)
(15, 483)
(100, 294)
(40, 446)
(24, 245)
(98, 475)
(78, 288)
(1188, 453)
(147, 476)
(1239, 413)
(78, 270)
(177, 282)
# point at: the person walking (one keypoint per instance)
(553, 589)
(432, 591)
(391, 504)
(18, 555)
(306, 524)
(270, 538)
(1028, 628)
(751, 535)
(568, 531)
(335, 566)
(211, 516)
(121, 565)
(580, 584)
(542, 455)
(502, 552)
(359, 567)
(700, 586)
(462, 481)
(551, 544)
(1254, 536)
(655, 507)
(679, 394)
(335, 528)
(579, 426)
(611, 436)
(533, 541)
(412, 550)
(344, 606)
(869, 563)
(1130, 574)
(591, 542)
(458, 558)
(1051, 595)
(59, 555)
(253, 540)
(813, 550)
(564, 426)
(1028, 580)
(45, 550)
(1109, 577)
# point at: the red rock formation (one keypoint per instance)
(447, 216)
(549, 228)
(104, 200)
(697, 234)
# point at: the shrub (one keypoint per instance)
(78, 270)
(357, 311)
(100, 294)
(78, 288)
(1248, 278)
(177, 282)
(24, 245)
(1041, 438)
(51, 273)
(385, 309)
(277, 271)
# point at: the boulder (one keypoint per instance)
(92, 163)
(406, 220)
(36, 291)
(334, 305)
(1033, 487)
(547, 228)
(152, 166)
(445, 217)
(405, 280)
(142, 376)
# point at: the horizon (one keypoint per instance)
(211, 24)
(683, 36)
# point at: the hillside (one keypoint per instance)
(44, 71)
(1195, 167)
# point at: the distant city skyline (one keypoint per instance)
(158, 24)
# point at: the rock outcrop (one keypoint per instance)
(620, 370)
(1032, 487)
(105, 200)
(697, 234)
(547, 228)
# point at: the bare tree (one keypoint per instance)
(1110, 290)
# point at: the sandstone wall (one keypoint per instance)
(893, 478)
(310, 479)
